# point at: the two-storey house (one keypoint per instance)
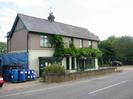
(30, 34)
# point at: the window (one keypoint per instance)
(73, 63)
(67, 63)
(81, 43)
(44, 41)
(89, 44)
(70, 42)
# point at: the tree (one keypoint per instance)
(2, 47)
(124, 49)
(108, 51)
(117, 48)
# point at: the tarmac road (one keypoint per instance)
(114, 86)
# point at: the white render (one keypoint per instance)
(64, 62)
(34, 61)
(96, 63)
(35, 54)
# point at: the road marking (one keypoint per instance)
(98, 90)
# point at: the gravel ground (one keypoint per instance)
(126, 68)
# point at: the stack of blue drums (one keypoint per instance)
(18, 75)
(31, 75)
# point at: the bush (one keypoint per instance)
(55, 68)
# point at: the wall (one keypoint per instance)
(77, 42)
(77, 75)
(19, 26)
(85, 43)
(94, 44)
(36, 51)
(35, 54)
(66, 41)
(64, 62)
(18, 41)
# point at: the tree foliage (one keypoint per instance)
(2, 47)
(117, 49)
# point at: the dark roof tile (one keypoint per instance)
(44, 26)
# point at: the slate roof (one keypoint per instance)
(40, 25)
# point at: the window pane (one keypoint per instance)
(89, 43)
(41, 41)
(70, 41)
(44, 41)
(81, 43)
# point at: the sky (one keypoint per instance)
(104, 18)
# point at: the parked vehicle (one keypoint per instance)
(1, 81)
(116, 63)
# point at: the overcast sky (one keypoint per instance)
(101, 17)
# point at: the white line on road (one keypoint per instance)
(104, 88)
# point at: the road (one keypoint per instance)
(114, 86)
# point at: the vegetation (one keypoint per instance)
(117, 48)
(58, 44)
(2, 47)
(86, 52)
(60, 51)
(55, 68)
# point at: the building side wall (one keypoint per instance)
(18, 41)
(19, 26)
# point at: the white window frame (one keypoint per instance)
(81, 43)
(89, 43)
(44, 41)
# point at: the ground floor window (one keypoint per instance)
(73, 63)
(67, 63)
(84, 64)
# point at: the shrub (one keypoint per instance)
(55, 68)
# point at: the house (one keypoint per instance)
(31, 35)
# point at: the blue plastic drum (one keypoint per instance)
(21, 75)
(14, 75)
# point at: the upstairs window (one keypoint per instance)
(44, 41)
(81, 43)
(70, 42)
(89, 43)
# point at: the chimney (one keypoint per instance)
(51, 17)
